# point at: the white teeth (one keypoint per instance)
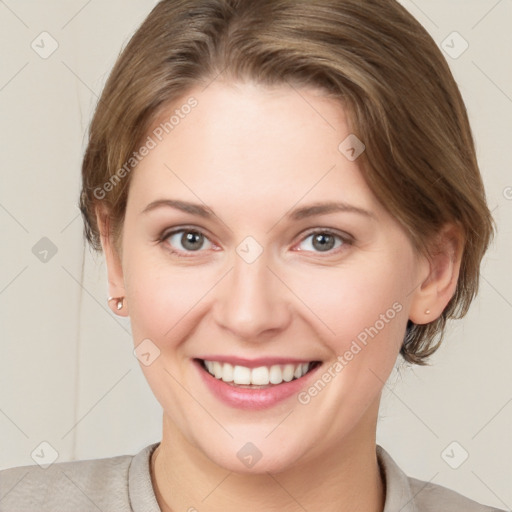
(227, 373)
(288, 372)
(217, 369)
(241, 375)
(261, 376)
(275, 374)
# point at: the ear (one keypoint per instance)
(115, 277)
(440, 274)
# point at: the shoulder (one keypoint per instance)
(431, 497)
(77, 485)
(409, 494)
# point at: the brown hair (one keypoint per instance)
(401, 99)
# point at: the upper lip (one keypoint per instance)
(255, 363)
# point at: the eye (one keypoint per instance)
(325, 241)
(191, 240)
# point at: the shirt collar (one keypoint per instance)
(399, 497)
(140, 487)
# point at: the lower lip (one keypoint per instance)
(253, 399)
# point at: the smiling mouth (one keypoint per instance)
(257, 378)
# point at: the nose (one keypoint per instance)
(253, 302)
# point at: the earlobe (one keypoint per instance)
(117, 300)
(443, 267)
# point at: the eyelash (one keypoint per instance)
(346, 240)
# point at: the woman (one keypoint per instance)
(320, 157)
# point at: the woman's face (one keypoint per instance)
(248, 283)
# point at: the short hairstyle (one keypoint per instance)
(400, 97)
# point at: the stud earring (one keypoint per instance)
(119, 303)
(427, 312)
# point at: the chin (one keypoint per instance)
(249, 459)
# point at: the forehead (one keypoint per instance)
(248, 142)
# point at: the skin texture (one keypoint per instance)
(252, 154)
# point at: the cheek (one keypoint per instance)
(362, 299)
(365, 310)
(359, 303)
(165, 300)
(366, 316)
(344, 304)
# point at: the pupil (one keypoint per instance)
(321, 237)
(190, 238)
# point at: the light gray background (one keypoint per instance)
(68, 375)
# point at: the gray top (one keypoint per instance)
(123, 484)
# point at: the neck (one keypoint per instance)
(345, 479)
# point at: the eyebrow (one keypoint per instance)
(297, 214)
